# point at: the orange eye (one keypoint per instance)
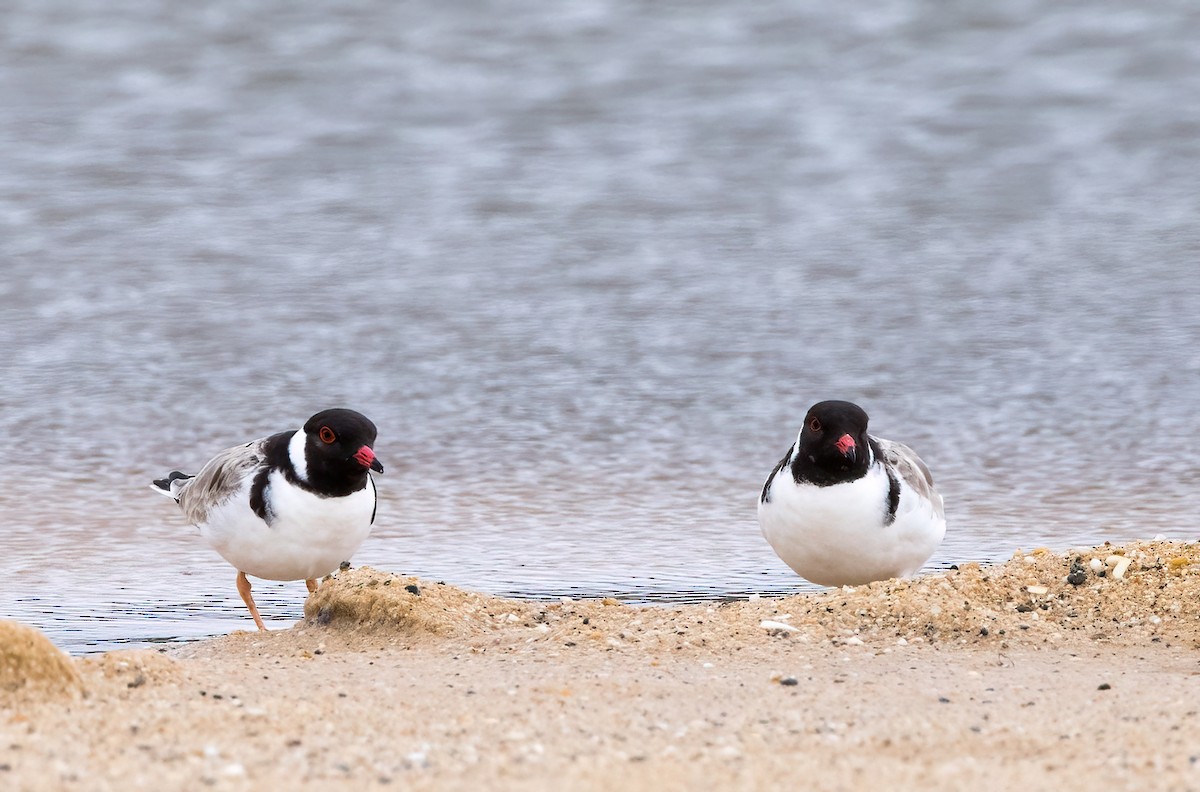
(326, 434)
(815, 425)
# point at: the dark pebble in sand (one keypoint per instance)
(983, 631)
(1023, 608)
(1078, 575)
(1104, 686)
(789, 681)
(943, 700)
(411, 588)
(325, 615)
(344, 566)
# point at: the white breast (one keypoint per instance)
(836, 536)
(308, 537)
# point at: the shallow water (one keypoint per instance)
(586, 272)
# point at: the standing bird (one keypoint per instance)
(292, 506)
(843, 508)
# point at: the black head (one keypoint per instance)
(833, 444)
(340, 446)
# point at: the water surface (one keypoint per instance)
(586, 271)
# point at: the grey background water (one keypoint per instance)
(585, 265)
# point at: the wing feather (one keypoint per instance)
(219, 480)
(915, 473)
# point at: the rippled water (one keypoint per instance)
(586, 271)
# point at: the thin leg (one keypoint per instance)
(312, 585)
(243, 586)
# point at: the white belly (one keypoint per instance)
(308, 537)
(835, 536)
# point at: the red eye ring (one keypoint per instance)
(326, 434)
(815, 425)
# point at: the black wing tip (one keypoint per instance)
(164, 484)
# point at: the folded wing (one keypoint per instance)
(914, 472)
(219, 480)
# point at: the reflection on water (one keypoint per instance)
(586, 271)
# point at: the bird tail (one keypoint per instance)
(172, 485)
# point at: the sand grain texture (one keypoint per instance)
(32, 666)
(1030, 674)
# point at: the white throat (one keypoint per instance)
(296, 454)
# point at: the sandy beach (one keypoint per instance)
(1075, 670)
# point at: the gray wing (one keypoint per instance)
(909, 467)
(219, 480)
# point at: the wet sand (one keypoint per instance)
(1001, 677)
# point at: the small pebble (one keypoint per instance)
(411, 588)
(789, 681)
(1104, 686)
(1078, 574)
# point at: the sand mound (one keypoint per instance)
(1147, 591)
(30, 663)
(366, 597)
(1143, 588)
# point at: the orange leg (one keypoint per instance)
(312, 585)
(243, 586)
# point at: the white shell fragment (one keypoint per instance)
(777, 627)
(1122, 565)
(1096, 564)
(1037, 590)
